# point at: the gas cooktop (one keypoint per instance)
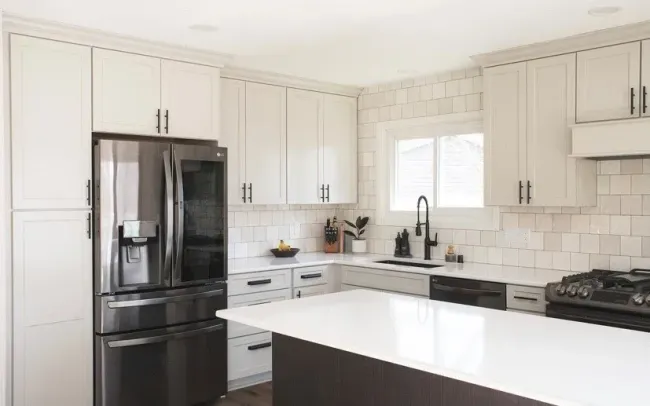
(602, 289)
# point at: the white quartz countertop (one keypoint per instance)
(555, 361)
(493, 273)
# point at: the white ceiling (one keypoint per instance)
(356, 42)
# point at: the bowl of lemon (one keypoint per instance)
(284, 250)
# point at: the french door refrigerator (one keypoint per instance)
(160, 270)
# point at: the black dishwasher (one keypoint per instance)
(468, 292)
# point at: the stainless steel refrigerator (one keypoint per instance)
(160, 270)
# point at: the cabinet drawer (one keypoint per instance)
(526, 298)
(310, 276)
(248, 356)
(259, 282)
(236, 329)
(352, 287)
(527, 312)
(309, 291)
(414, 284)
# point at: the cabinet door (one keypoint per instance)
(608, 82)
(266, 143)
(309, 291)
(304, 151)
(233, 135)
(126, 93)
(190, 100)
(505, 133)
(53, 309)
(340, 149)
(645, 79)
(551, 106)
(50, 124)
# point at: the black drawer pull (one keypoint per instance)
(528, 193)
(258, 346)
(530, 299)
(259, 282)
(311, 276)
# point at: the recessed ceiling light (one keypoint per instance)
(204, 27)
(600, 11)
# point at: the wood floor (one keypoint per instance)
(258, 395)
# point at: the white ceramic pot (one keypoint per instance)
(359, 246)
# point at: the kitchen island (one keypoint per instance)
(372, 348)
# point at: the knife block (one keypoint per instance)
(332, 244)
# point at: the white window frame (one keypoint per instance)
(387, 133)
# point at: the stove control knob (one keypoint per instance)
(572, 290)
(560, 289)
(638, 299)
(647, 300)
(584, 292)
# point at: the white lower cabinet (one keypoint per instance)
(303, 292)
(249, 358)
(352, 287)
(52, 302)
(389, 281)
(526, 299)
(252, 299)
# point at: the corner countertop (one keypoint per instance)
(493, 273)
(550, 360)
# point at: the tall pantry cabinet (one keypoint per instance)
(52, 265)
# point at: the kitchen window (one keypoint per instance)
(440, 158)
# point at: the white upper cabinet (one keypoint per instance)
(305, 183)
(608, 83)
(505, 134)
(233, 136)
(50, 124)
(529, 108)
(340, 149)
(190, 100)
(126, 93)
(645, 79)
(555, 178)
(266, 143)
(53, 308)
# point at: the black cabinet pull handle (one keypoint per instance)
(89, 227)
(322, 193)
(250, 193)
(88, 183)
(243, 188)
(632, 101)
(528, 193)
(158, 120)
(259, 282)
(645, 102)
(298, 295)
(311, 276)
(521, 191)
(328, 192)
(258, 346)
(530, 299)
(167, 121)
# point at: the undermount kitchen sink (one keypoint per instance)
(404, 263)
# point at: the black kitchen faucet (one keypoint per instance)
(418, 231)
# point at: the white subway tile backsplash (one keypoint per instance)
(446, 105)
(241, 219)
(637, 262)
(610, 244)
(589, 243)
(562, 261)
(544, 222)
(630, 166)
(620, 225)
(609, 204)
(420, 109)
(620, 184)
(432, 108)
(579, 262)
(510, 256)
(473, 237)
(439, 90)
(467, 86)
(610, 167)
(544, 259)
(641, 184)
(527, 221)
(527, 258)
(562, 223)
(631, 246)
(599, 224)
(640, 225)
(452, 88)
(413, 94)
(646, 165)
(570, 242)
(488, 238)
(509, 221)
(459, 105)
(579, 223)
(536, 241)
(632, 205)
(603, 185)
(426, 92)
(460, 237)
(619, 263)
(598, 261)
(553, 241)
(495, 255)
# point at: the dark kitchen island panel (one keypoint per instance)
(308, 374)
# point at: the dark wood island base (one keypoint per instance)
(308, 374)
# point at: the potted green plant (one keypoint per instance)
(359, 245)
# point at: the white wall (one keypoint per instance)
(615, 234)
(5, 230)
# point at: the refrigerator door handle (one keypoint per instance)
(169, 216)
(116, 304)
(164, 337)
(180, 219)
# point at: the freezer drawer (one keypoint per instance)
(139, 311)
(250, 355)
(175, 366)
